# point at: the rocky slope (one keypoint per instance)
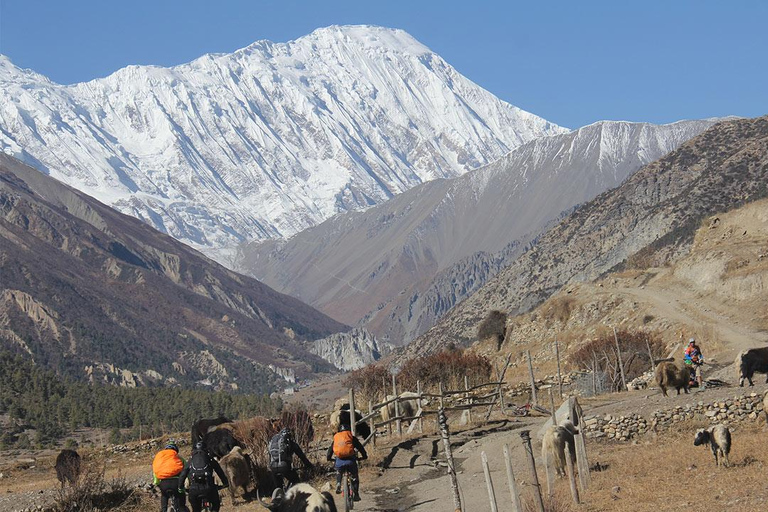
(350, 350)
(715, 293)
(398, 267)
(266, 141)
(89, 291)
(647, 221)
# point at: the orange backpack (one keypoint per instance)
(343, 447)
(167, 464)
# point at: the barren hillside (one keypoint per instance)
(648, 221)
(716, 293)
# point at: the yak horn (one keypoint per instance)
(277, 497)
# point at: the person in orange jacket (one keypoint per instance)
(166, 468)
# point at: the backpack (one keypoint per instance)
(343, 447)
(200, 470)
(167, 464)
(280, 450)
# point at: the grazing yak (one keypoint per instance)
(553, 445)
(202, 427)
(235, 466)
(67, 467)
(749, 362)
(719, 439)
(669, 375)
(340, 416)
(300, 498)
(220, 442)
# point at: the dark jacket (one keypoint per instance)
(357, 444)
(210, 482)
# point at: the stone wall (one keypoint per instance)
(624, 428)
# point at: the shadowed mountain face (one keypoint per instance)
(98, 294)
(649, 220)
(400, 266)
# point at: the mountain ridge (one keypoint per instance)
(397, 267)
(650, 218)
(266, 141)
(101, 295)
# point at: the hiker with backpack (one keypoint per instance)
(166, 468)
(282, 448)
(343, 448)
(199, 469)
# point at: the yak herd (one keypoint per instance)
(557, 442)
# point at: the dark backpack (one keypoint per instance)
(280, 452)
(200, 470)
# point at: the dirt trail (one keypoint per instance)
(678, 302)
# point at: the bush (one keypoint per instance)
(601, 352)
(448, 367)
(493, 326)
(370, 383)
(91, 492)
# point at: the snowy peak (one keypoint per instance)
(266, 141)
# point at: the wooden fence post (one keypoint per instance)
(352, 415)
(650, 354)
(442, 423)
(468, 400)
(517, 506)
(559, 375)
(594, 374)
(384, 399)
(533, 379)
(418, 406)
(489, 483)
(572, 477)
(582, 462)
(372, 420)
(499, 389)
(621, 364)
(549, 473)
(552, 406)
(525, 435)
(398, 423)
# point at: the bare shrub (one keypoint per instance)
(91, 492)
(370, 383)
(600, 355)
(255, 434)
(448, 367)
(493, 327)
(300, 424)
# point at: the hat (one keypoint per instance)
(692, 340)
(171, 446)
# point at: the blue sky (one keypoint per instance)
(570, 62)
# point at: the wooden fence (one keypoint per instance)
(469, 398)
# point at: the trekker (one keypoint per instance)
(694, 359)
(343, 448)
(199, 470)
(282, 448)
(166, 468)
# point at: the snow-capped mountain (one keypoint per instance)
(266, 141)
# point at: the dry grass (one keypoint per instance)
(669, 473)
